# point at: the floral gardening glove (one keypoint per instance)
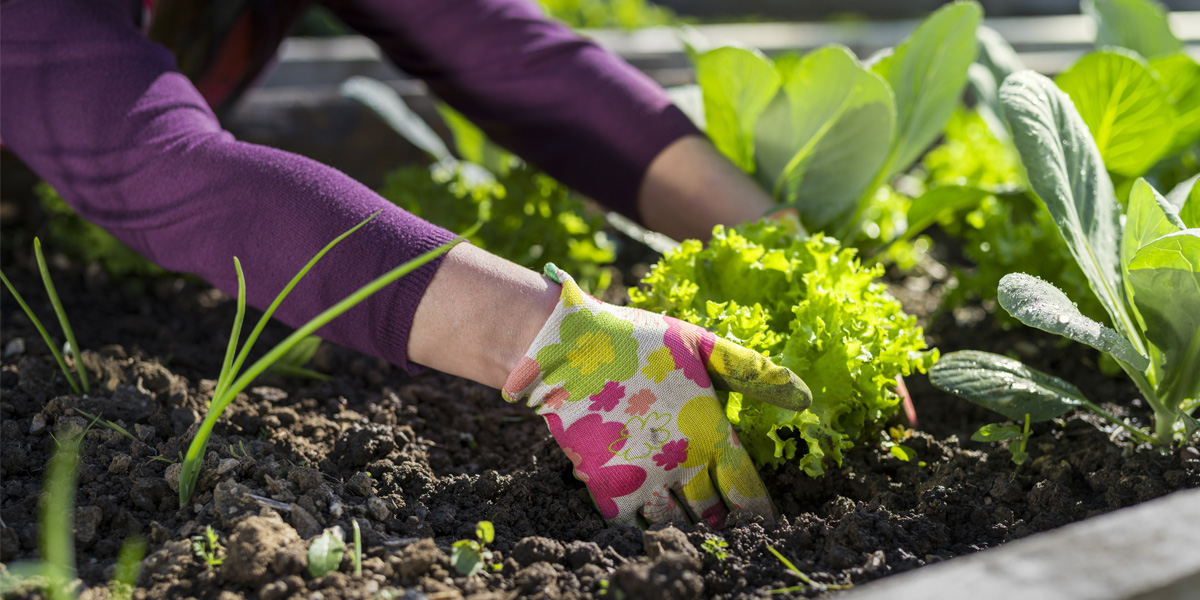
(630, 397)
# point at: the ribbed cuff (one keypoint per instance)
(395, 329)
(672, 125)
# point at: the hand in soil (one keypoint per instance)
(630, 396)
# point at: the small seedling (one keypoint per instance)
(234, 451)
(804, 578)
(470, 556)
(891, 442)
(207, 546)
(357, 548)
(326, 551)
(716, 546)
(129, 564)
(233, 380)
(291, 364)
(55, 572)
(81, 387)
(997, 432)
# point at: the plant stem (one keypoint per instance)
(195, 454)
(61, 314)
(1138, 433)
(227, 362)
(37, 323)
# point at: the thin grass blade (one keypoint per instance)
(57, 519)
(61, 314)
(227, 371)
(266, 316)
(195, 454)
(62, 364)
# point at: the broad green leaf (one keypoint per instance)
(927, 73)
(995, 61)
(737, 85)
(1039, 304)
(1139, 25)
(1066, 171)
(473, 145)
(387, 103)
(996, 54)
(1125, 106)
(1165, 276)
(1004, 385)
(943, 199)
(903, 452)
(325, 553)
(1150, 217)
(822, 141)
(485, 532)
(467, 557)
(1185, 198)
(1180, 74)
(997, 432)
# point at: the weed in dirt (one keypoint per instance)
(716, 547)
(233, 380)
(469, 556)
(808, 582)
(55, 573)
(129, 564)
(998, 432)
(357, 547)
(325, 552)
(82, 386)
(207, 547)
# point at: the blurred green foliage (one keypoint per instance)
(625, 14)
(528, 217)
(80, 240)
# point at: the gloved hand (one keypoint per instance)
(629, 396)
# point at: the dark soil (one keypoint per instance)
(418, 460)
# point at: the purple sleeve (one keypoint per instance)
(102, 114)
(560, 101)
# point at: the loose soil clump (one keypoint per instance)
(418, 460)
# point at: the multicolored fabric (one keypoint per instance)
(630, 397)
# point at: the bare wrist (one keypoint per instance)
(479, 315)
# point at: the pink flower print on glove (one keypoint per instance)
(630, 397)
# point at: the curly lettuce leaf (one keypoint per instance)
(810, 306)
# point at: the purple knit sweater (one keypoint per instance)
(104, 116)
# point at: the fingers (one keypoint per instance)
(739, 484)
(703, 502)
(736, 368)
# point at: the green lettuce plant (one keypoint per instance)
(808, 304)
(1144, 271)
(233, 379)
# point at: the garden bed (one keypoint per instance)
(417, 461)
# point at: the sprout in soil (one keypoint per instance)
(469, 556)
(81, 387)
(207, 547)
(325, 552)
(233, 380)
(55, 572)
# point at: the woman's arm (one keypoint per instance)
(102, 114)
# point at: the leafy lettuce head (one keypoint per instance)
(810, 306)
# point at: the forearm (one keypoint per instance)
(690, 187)
(566, 105)
(101, 114)
(479, 315)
